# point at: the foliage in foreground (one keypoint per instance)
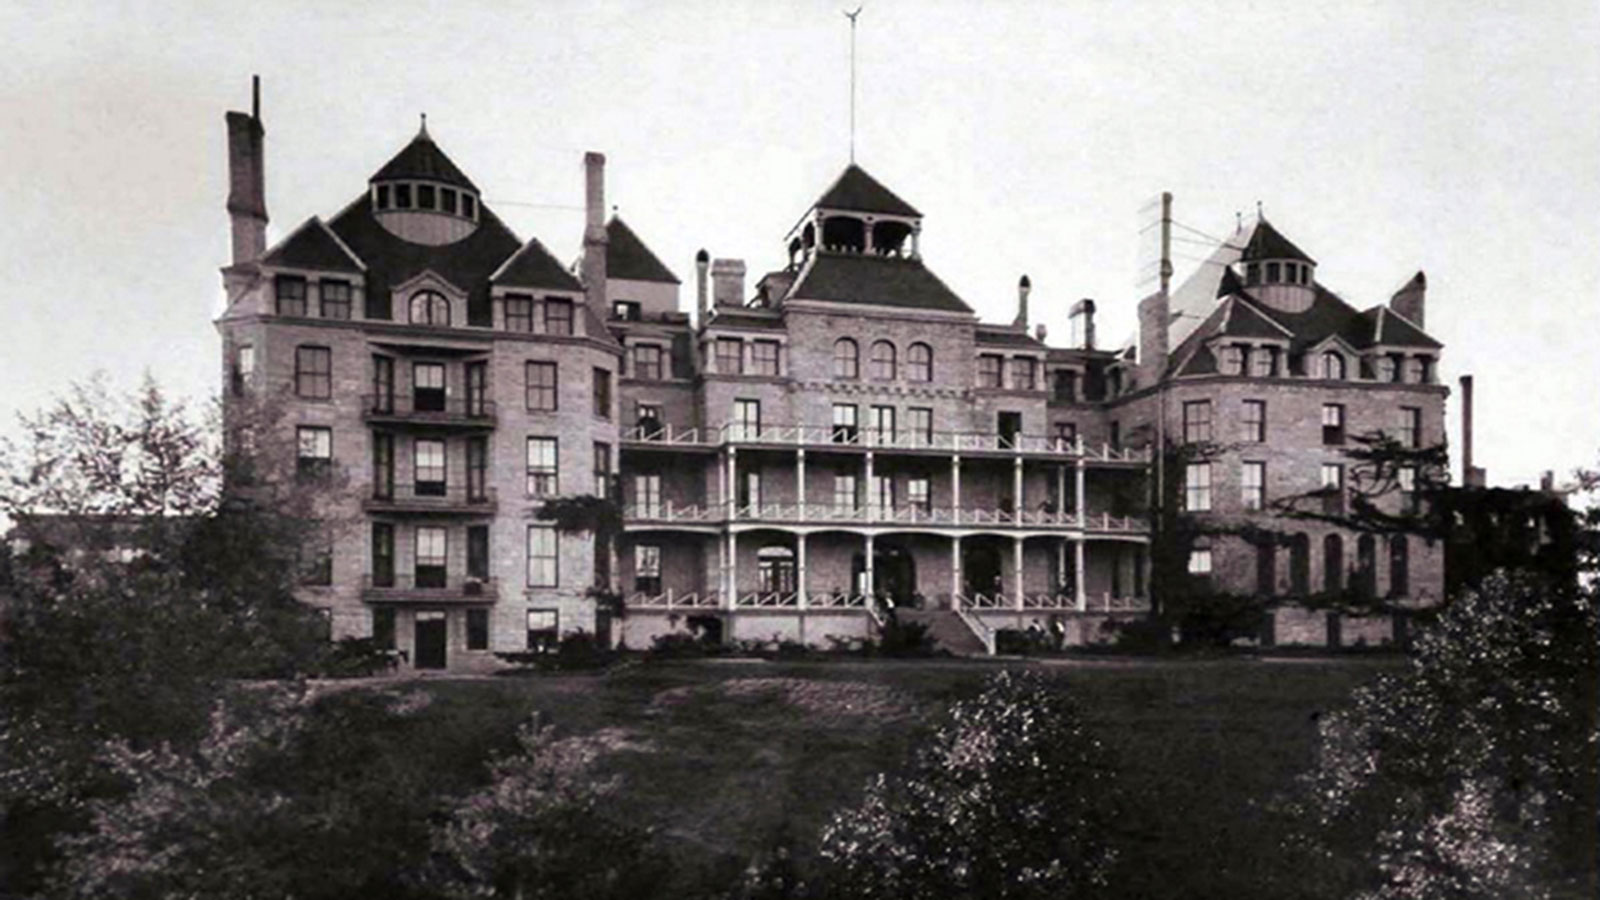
(1472, 774)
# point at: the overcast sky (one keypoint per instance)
(1459, 138)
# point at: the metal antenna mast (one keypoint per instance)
(852, 17)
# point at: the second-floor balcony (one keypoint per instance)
(424, 586)
(906, 515)
(852, 436)
(430, 409)
(436, 498)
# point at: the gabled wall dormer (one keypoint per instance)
(428, 300)
(420, 196)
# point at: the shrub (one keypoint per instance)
(678, 645)
(1023, 642)
(906, 639)
(353, 657)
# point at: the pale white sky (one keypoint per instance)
(1460, 138)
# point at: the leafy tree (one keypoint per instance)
(1011, 798)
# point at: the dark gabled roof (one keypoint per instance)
(628, 258)
(312, 246)
(422, 158)
(1245, 319)
(391, 260)
(875, 280)
(534, 267)
(737, 318)
(1267, 243)
(1230, 283)
(1004, 337)
(1393, 330)
(857, 191)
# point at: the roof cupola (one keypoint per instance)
(420, 196)
(1276, 272)
(857, 215)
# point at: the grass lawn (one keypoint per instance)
(724, 757)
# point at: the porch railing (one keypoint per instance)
(671, 599)
(787, 435)
(979, 629)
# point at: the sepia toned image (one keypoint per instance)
(782, 450)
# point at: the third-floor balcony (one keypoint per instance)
(432, 498)
(845, 437)
(433, 410)
(909, 515)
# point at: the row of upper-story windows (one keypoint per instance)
(1330, 365)
(1277, 273)
(1197, 486)
(292, 297)
(883, 361)
(431, 569)
(422, 195)
(993, 369)
(1363, 578)
(764, 357)
(1198, 423)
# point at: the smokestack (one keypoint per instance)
(1166, 241)
(1081, 318)
(594, 231)
(702, 261)
(1471, 475)
(247, 193)
(727, 282)
(1024, 288)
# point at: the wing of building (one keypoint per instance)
(797, 459)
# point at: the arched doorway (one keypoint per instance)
(981, 568)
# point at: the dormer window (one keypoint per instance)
(1332, 366)
(447, 200)
(1233, 360)
(1272, 273)
(430, 308)
(1252, 273)
(382, 196)
(1264, 362)
(625, 310)
(402, 196)
(1418, 370)
(425, 196)
(469, 206)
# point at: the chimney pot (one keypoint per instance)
(727, 281)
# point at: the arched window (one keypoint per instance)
(919, 362)
(883, 361)
(846, 359)
(1332, 366)
(1399, 566)
(1300, 565)
(1367, 566)
(429, 308)
(1332, 563)
(776, 567)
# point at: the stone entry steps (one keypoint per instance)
(947, 628)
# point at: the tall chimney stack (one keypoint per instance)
(727, 282)
(1471, 475)
(702, 262)
(594, 231)
(1024, 288)
(247, 192)
(1081, 318)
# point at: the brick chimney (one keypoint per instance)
(1081, 319)
(1154, 316)
(1024, 288)
(702, 261)
(727, 280)
(247, 193)
(1411, 300)
(594, 232)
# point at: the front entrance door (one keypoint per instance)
(431, 640)
(896, 575)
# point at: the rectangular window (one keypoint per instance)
(425, 196)
(383, 627)
(291, 293)
(1255, 421)
(1233, 360)
(382, 465)
(1200, 561)
(845, 424)
(1272, 273)
(313, 372)
(427, 387)
(335, 299)
(383, 196)
(1410, 426)
(647, 362)
(1406, 480)
(647, 569)
(314, 451)
(447, 200)
(626, 310)
(478, 552)
(1253, 485)
(428, 464)
(1197, 487)
(477, 378)
(1264, 362)
(1417, 371)
(1022, 372)
(1388, 368)
(602, 470)
(540, 386)
(382, 384)
(1197, 422)
(477, 469)
(647, 421)
(543, 543)
(919, 425)
(749, 491)
(1115, 435)
(1066, 386)
(746, 420)
(431, 557)
(730, 356)
(557, 316)
(844, 493)
(542, 466)
(1332, 423)
(1333, 488)
(477, 625)
(469, 206)
(244, 367)
(1065, 434)
(989, 371)
(919, 494)
(402, 196)
(602, 393)
(542, 634)
(764, 357)
(647, 495)
(382, 554)
(519, 313)
(882, 489)
(883, 430)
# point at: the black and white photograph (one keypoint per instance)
(787, 450)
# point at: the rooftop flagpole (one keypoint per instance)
(852, 17)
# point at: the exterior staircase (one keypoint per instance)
(946, 627)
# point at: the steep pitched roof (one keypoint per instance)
(875, 280)
(1267, 243)
(1005, 337)
(857, 191)
(1389, 327)
(313, 246)
(422, 158)
(534, 267)
(627, 257)
(392, 260)
(1241, 318)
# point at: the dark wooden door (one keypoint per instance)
(431, 640)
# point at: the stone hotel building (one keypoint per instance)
(805, 452)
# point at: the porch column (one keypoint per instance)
(1144, 568)
(1017, 563)
(733, 572)
(1083, 510)
(800, 569)
(955, 489)
(871, 583)
(800, 486)
(1080, 576)
(867, 488)
(1016, 488)
(1061, 489)
(730, 466)
(1061, 565)
(955, 570)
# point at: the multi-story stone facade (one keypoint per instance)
(793, 461)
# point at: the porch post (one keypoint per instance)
(1061, 565)
(733, 571)
(871, 496)
(1016, 488)
(871, 582)
(1080, 576)
(1061, 489)
(730, 465)
(955, 569)
(955, 489)
(800, 487)
(800, 569)
(1017, 562)
(1083, 511)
